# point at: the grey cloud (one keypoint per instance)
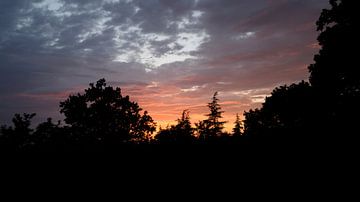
(156, 15)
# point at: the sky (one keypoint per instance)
(167, 55)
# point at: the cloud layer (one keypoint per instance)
(167, 55)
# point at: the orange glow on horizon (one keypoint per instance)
(165, 102)
(167, 119)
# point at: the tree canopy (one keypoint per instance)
(287, 113)
(334, 70)
(102, 114)
(332, 97)
(17, 137)
(181, 133)
(335, 76)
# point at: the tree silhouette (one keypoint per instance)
(203, 130)
(285, 115)
(330, 105)
(335, 75)
(238, 127)
(253, 124)
(334, 71)
(183, 128)
(181, 133)
(165, 136)
(215, 125)
(103, 116)
(211, 127)
(17, 137)
(49, 136)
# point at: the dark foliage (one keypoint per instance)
(335, 74)
(17, 137)
(181, 133)
(327, 110)
(103, 116)
(237, 130)
(212, 127)
(286, 115)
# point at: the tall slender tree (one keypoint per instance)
(237, 130)
(212, 126)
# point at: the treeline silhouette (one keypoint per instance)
(323, 110)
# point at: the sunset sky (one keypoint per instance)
(168, 55)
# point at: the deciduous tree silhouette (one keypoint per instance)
(17, 137)
(334, 70)
(103, 116)
(49, 136)
(328, 108)
(335, 75)
(286, 115)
